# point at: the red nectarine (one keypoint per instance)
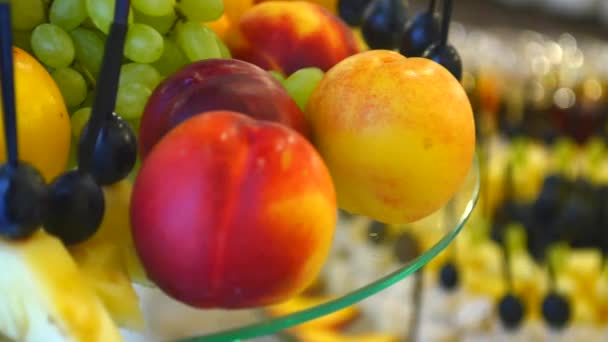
(232, 212)
(216, 84)
(291, 35)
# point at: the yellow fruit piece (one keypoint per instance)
(43, 122)
(331, 321)
(360, 40)
(103, 267)
(361, 125)
(44, 296)
(491, 285)
(330, 336)
(116, 229)
(220, 26)
(585, 311)
(584, 266)
(234, 9)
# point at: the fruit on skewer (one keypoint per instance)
(351, 11)
(420, 32)
(43, 125)
(383, 23)
(45, 297)
(442, 52)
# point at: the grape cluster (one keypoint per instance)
(68, 37)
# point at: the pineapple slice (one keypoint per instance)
(101, 264)
(116, 229)
(45, 298)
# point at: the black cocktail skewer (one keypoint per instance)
(23, 192)
(106, 152)
(442, 52)
(107, 148)
(420, 32)
(510, 307)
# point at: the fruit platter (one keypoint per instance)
(529, 264)
(223, 156)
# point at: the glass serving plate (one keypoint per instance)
(168, 320)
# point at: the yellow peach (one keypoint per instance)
(397, 134)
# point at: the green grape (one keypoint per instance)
(23, 40)
(52, 45)
(143, 44)
(302, 83)
(197, 41)
(277, 75)
(89, 48)
(88, 102)
(224, 51)
(139, 73)
(154, 8)
(131, 100)
(102, 13)
(26, 14)
(72, 85)
(172, 59)
(201, 10)
(162, 24)
(79, 120)
(68, 14)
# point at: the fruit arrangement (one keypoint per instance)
(194, 171)
(530, 263)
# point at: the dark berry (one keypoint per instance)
(448, 277)
(547, 204)
(23, 200)
(420, 33)
(76, 206)
(556, 310)
(383, 24)
(511, 311)
(114, 153)
(406, 247)
(376, 232)
(351, 11)
(447, 56)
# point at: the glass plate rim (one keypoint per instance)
(277, 324)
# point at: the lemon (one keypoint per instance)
(43, 122)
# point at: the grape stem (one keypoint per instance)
(445, 25)
(107, 85)
(8, 84)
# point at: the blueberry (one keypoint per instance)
(23, 200)
(448, 277)
(383, 24)
(114, 153)
(556, 310)
(76, 206)
(447, 56)
(511, 311)
(351, 11)
(548, 202)
(420, 33)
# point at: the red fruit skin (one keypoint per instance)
(231, 212)
(217, 84)
(291, 35)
